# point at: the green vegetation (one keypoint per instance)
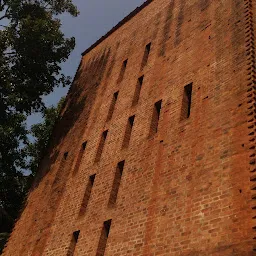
(32, 48)
(42, 134)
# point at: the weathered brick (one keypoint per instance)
(185, 190)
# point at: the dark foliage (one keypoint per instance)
(32, 48)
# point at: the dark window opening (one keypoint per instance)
(105, 133)
(131, 120)
(103, 238)
(87, 195)
(186, 103)
(73, 243)
(79, 158)
(146, 55)
(76, 235)
(116, 183)
(101, 146)
(148, 46)
(125, 63)
(128, 131)
(122, 72)
(84, 145)
(112, 106)
(155, 117)
(136, 96)
(65, 155)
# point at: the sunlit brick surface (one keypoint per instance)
(185, 190)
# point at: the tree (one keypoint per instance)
(42, 133)
(14, 186)
(32, 48)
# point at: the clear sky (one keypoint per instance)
(96, 18)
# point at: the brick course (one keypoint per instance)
(186, 190)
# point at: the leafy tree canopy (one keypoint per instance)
(32, 48)
(14, 185)
(42, 133)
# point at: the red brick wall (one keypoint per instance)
(185, 190)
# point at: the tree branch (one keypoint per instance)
(4, 17)
(10, 53)
(1, 5)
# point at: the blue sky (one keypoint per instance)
(96, 18)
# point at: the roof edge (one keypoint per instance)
(120, 24)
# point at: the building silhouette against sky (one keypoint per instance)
(154, 152)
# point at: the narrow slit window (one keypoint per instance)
(148, 47)
(186, 103)
(65, 155)
(101, 145)
(125, 63)
(122, 72)
(116, 183)
(146, 55)
(87, 195)
(72, 246)
(112, 106)
(136, 96)
(155, 117)
(84, 145)
(103, 238)
(128, 131)
(80, 157)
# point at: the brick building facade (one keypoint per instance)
(154, 153)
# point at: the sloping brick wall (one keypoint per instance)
(185, 190)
